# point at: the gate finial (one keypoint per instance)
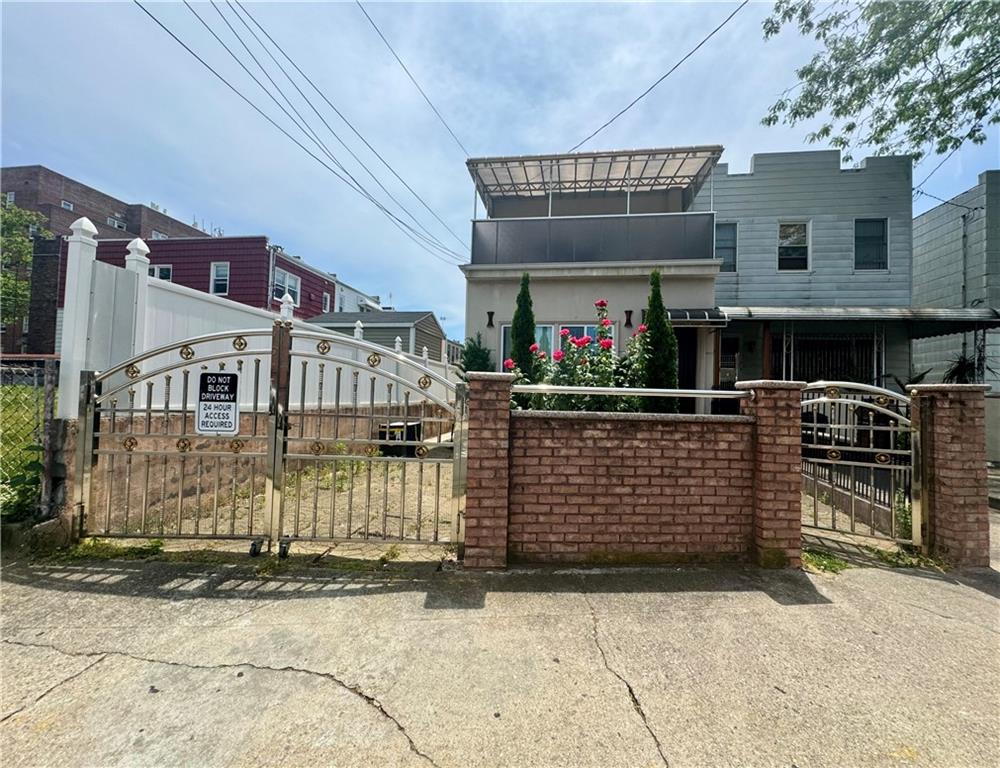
(287, 307)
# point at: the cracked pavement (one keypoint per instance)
(166, 664)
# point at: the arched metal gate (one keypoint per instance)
(860, 462)
(328, 438)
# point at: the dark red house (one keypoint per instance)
(245, 269)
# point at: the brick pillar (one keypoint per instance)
(488, 444)
(777, 486)
(951, 419)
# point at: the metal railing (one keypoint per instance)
(555, 389)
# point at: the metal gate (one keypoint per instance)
(337, 439)
(858, 449)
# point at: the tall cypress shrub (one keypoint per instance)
(661, 350)
(522, 331)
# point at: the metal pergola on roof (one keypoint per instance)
(635, 170)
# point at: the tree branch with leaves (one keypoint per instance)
(16, 250)
(898, 78)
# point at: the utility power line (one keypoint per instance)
(274, 123)
(936, 169)
(414, 80)
(304, 126)
(237, 5)
(667, 74)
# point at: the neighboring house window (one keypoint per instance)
(286, 282)
(9, 197)
(725, 246)
(159, 235)
(340, 303)
(32, 230)
(220, 278)
(113, 222)
(165, 271)
(326, 302)
(67, 205)
(793, 247)
(543, 336)
(871, 244)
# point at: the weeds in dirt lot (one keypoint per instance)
(818, 560)
(103, 549)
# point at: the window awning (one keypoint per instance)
(636, 170)
(698, 317)
(922, 322)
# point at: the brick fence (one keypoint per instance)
(572, 487)
(632, 488)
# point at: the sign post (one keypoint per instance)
(218, 404)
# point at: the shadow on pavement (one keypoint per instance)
(448, 590)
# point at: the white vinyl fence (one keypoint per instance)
(113, 314)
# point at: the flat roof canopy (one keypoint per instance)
(636, 170)
(922, 322)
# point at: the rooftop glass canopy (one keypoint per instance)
(637, 170)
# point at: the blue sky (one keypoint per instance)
(96, 91)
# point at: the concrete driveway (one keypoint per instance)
(142, 664)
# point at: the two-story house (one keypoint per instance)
(799, 269)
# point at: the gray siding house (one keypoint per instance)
(415, 330)
(956, 263)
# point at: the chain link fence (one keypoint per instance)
(27, 408)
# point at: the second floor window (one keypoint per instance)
(116, 223)
(220, 278)
(67, 205)
(793, 247)
(159, 235)
(162, 271)
(326, 302)
(9, 197)
(871, 244)
(725, 246)
(286, 282)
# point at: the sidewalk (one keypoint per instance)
(137, 663)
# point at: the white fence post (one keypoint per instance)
(80, 257)
(427, 358)
(137, 261)
(359, 330)
(287, 307)
(399, 344)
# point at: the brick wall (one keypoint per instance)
(629, 487)
(955, 499)
(633, 488)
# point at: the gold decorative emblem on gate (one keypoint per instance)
(831, 392)
(132, 371)
(420, 451)
(882, 400)
(129, 444)
(374, 359)
(882, 458)
(236, 445)
(317, 448)
(323, 347)
(183, 445)
(424, 381)
(833, 455)
(186, 352)
(239, 343)
(371, 450)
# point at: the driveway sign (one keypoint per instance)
(218, 404)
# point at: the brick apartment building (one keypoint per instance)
(63, 200)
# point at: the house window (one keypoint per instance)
(340, 303)
(871, 244)
(159, 235)
(286, 282)
(220, 278)
(543, 337)
(165, 272)
(32, 230)
(725, 246)
(326, 302)
(113, 222)
(67, 205)
(9, 197)
(793, 247)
